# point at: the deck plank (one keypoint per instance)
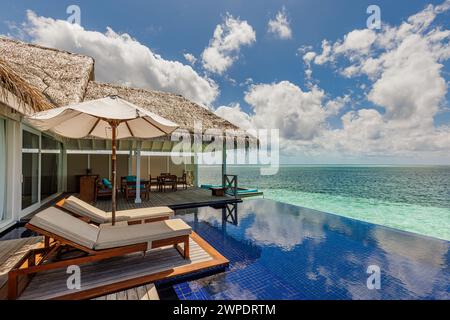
(142, 293)
(122, 295)
(132, 294)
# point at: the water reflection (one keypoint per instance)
(280, 251)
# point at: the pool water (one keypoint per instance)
(282, 251)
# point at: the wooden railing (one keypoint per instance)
(229, 214)
(230, 183)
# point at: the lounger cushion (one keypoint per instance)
(119, 236)
(58, 222)
(144, 213)
(98, 216)
(84, 209)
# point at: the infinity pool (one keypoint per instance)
(281, 251)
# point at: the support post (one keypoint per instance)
(196, 177)
(130, 165)
(138, 174)
(224, 160)
(113, 168)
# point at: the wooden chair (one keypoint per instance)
(46, 258)
(130, 190)
(123, 182)
(168, 180)
(182, 180)
(102, 191)
(153, 182)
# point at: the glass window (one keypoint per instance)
(50, 166)
(30, 169)
(30, 141)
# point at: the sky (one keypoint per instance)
(338, 90)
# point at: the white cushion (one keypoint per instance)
(144, 213)
(60, 223)
(84, 209)
(98, 216)
(120, 235)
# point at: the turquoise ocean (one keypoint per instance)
(415, 199)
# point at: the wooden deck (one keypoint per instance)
(182, 198)
(11, 251)
(144, 292)
(117, 274)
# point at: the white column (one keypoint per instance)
(63, 180)
(196, 177)
(130, 164)
(14, 172)
(224, 161)
(138, 174)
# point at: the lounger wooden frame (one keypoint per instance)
(35, 260)
(60, 205)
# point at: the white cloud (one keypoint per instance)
(190, 58)
(235, 115)
(325, 56)
(280, 25)
(224, 47)
(285, 106)
(356, 40)
(121, 59)
(309, 56)
(404, 67)
(410, 87)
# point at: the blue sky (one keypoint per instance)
(174, 28)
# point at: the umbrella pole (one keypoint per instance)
(113, 168)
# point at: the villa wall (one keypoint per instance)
(100, 164)
(15, 178)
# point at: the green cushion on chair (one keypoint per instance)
(133, 186)
(107, 183)
(130, 178)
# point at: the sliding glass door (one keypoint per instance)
(41, 168)
(50, 166)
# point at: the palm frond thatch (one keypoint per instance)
(28, 95)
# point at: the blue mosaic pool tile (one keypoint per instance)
(280, 251)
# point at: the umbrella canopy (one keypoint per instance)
(107, 118)
(94, 118)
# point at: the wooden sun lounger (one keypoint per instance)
(132, 216)
(46, 258)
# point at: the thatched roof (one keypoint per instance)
(28, 96)
(66, 78)
(59, 75)
(168, 105)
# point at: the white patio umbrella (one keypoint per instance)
(107, 118)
